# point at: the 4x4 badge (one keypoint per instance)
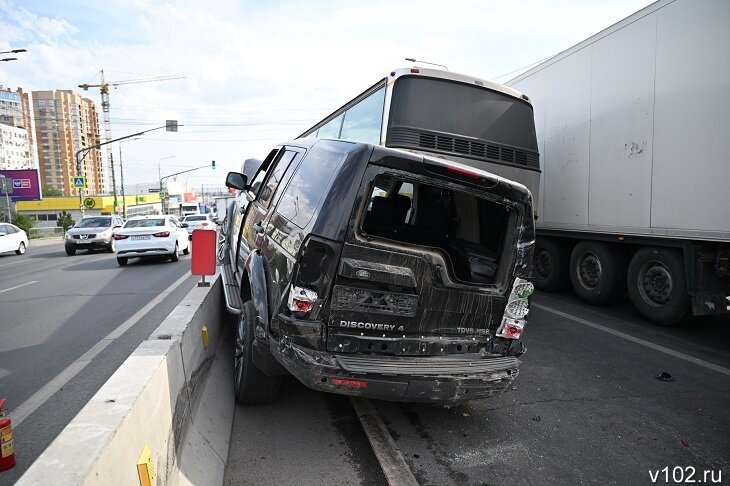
(362, 274)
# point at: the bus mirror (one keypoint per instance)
(236, 180)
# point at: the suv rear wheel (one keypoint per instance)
(251, 385)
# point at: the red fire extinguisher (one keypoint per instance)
(7, 452)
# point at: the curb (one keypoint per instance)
(160, 398)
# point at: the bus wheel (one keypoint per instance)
(597, 272)
(657, 285)
(550, 265)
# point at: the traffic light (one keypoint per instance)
(213, 165)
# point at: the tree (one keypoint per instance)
(65, 221)
(20, 220)
(52, 192)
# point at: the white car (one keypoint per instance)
(198, 221)
(12, 238)
(148, 236)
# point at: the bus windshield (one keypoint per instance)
(455, 108)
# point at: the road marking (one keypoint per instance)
(18, 286)
(16, 261)
(41, 396)
(391, 460)
(633, 339)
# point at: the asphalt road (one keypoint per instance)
(59, 313)
(587, 408)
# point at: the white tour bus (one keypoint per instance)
(462, 118)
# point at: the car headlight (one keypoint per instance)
(67, 236)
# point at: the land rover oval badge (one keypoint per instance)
(362, 274)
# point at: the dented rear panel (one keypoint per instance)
(428, 260)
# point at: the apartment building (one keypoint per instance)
(65, 122)
(16, 141)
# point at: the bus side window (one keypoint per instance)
(363, 120)
(331, 129)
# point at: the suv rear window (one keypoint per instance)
(468, 230)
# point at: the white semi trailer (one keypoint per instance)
(633, 128)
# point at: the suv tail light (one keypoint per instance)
(300, 299)
(121, 237)
(513, 321)
(314, 273)
(162, 234)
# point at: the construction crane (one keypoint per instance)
(104, 87)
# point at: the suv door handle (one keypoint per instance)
(258, 228)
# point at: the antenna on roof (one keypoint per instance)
(426, 62)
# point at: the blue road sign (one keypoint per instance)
(79, 181)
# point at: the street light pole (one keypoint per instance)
(159, 178)
(170, 126)
(121, 173)
(124, 196)
(12, 51)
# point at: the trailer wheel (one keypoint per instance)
(657, 285)
(597, 272)
(550, 265)
(251, 385)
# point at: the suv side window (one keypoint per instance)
(275, 176)
(258, 178)
(307, 187)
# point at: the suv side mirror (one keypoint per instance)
(236, 180)
(184, 225)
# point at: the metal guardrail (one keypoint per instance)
(48, 232)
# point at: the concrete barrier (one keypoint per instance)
(172, 395)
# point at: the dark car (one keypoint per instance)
(92, 233)
(376, 272)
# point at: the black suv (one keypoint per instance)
(375, 272)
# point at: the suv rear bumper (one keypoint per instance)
(427, 379)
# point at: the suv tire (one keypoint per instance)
(250, 385)
(122, 261)
(70, 250)
(112, 247)
(21, 248)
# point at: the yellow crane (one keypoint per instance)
(104, 88)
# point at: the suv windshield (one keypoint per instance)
(94, 223)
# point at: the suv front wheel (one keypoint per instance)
(251, 385)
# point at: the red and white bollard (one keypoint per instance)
(7, 451)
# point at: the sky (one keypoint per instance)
(261, 72)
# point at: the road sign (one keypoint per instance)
(89, 202)
(79, 181)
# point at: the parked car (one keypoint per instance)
(376, 272)
(12, 238)
(199, 221)
(149, 236)
(92, 233)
